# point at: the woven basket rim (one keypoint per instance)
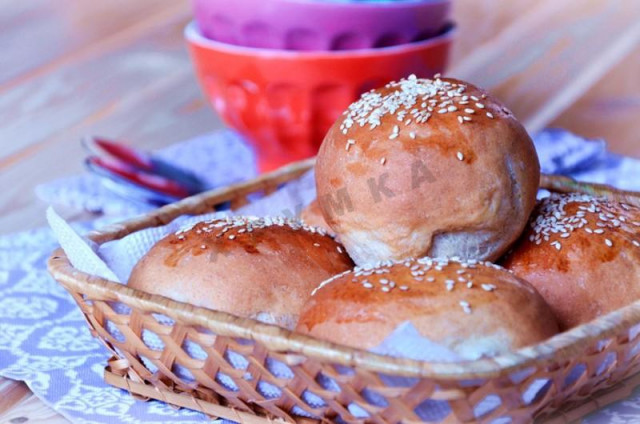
(565, 346)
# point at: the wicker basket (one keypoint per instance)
(322, 379)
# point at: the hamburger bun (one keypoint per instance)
(582, 254)
(426, 167)
(473, 309)
(312, 215)
(262, 268)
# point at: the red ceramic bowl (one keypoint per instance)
(284, 102)
(320, 24)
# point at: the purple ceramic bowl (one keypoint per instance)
(320, 25)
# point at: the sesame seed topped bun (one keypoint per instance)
(427, 167)
(312, 215)
(262, 268)
(473, 308)
(582, 254)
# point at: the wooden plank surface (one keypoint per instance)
(57, 31)
(545, 61)
(18, 405)
(120, 69)
(137, 85)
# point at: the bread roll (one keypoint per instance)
(583, 256)
(427, 167)
(474, 309)
(312, 215)
(262, 268)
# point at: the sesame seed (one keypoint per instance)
(466, 118)
(460, 156)
(474, 98)
(470, 284)
(203, 246)
(367, 285)
(431, 279)
(488, 287)
(316, 244)
(386, 289)
(383, 161)
(636, 243)
(412, 135)
(396, 129)
(490, 115)
(460, 119)
(608, 242)
(479, 105)
(469, 111)
(404, 288)
(452, 108)
(393, 136)
(231, 237)
(465, 307)
(441, 111)
(599, 231)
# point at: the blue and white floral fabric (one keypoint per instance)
(44, 339)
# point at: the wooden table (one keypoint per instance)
(120, 69)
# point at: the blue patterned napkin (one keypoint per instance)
(45, 341)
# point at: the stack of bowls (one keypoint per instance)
(281, 71)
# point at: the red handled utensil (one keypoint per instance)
(138, 170)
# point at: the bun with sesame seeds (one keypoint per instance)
(312, 215)
(474, 309)
(262, 268)
(427, 167)
(582, 254)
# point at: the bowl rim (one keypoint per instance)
(370, 4)
(193, 35)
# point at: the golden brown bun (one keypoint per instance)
(474, 309)
(459, 173)
(312, 215)
(263, 268)
(583, 256)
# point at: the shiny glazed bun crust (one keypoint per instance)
(427, 167)
(262, 268)
(474, 309)
(583, 256)
(312, 215)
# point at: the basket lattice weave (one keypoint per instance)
(325, 380)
